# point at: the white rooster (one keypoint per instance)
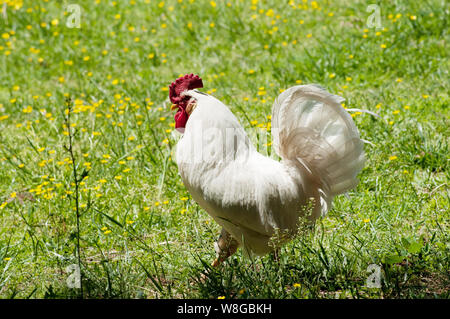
(254, 197)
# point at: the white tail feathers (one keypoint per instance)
(311, 129)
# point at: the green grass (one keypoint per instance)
(141, 233)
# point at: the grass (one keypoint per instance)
(141, 235)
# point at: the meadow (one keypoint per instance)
(87, 176)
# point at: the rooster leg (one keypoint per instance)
(225, 247)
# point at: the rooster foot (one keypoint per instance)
(225, 246)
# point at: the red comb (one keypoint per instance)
(187, 82)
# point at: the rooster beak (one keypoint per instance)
(173, 107)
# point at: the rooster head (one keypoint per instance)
(180, 101)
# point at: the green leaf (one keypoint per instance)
(415, 247)
(110, 218)
(149, 276)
